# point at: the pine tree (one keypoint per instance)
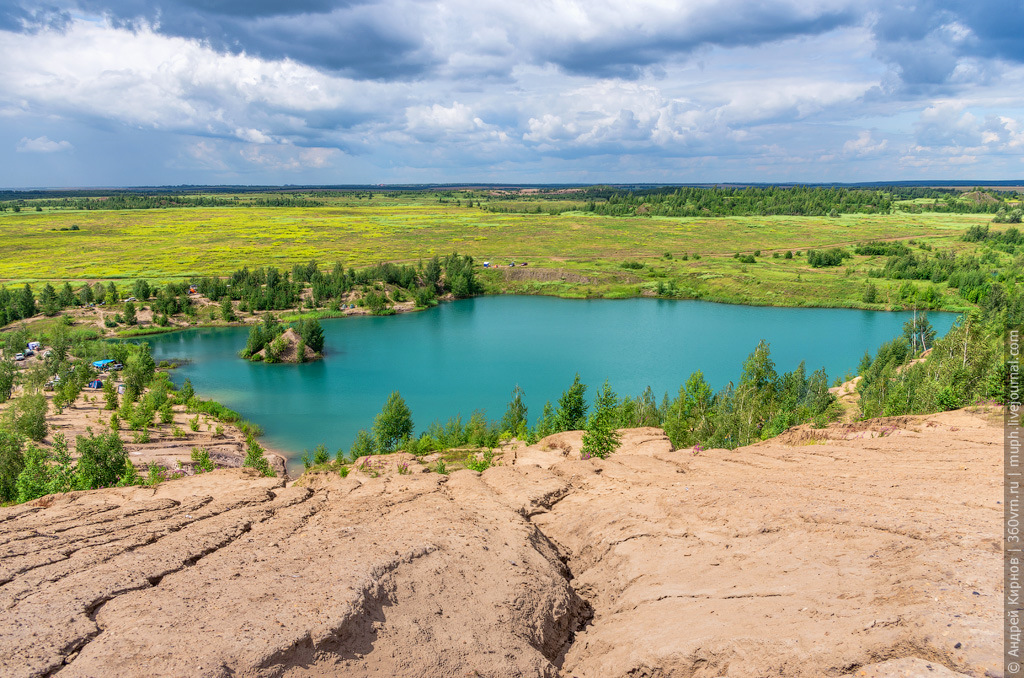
(313, 334)
(227, 312)
(48, 302)
(363, 446)
(572, 407)
(129, 313)
(600, 438)
(85, 296)
(110, 395)
(66, 296)
(514, 420)
(141, 289)
(187, 392)
(546, 422)
(26, 302)
(255, 458)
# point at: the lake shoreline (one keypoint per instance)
(407, 307)
(470, 354)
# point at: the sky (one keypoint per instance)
(167, 92)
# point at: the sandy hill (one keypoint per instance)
(870, 549)
(290, 353)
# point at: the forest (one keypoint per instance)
(377, 287)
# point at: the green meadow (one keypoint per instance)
(571, 254)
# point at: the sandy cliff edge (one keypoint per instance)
(867, 549)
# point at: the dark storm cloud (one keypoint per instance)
(345, 37)
(926, 41)
(730, 24)
(355, 46)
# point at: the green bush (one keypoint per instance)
(102, 461)
(12, 461)
(479, 463)
(27, 416)
(363, 446)
(827, 258)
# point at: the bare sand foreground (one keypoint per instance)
(866, 550)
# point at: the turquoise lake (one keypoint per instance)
(469, 354)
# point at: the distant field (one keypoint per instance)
(181, 243)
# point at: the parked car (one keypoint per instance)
(29, 353)
(19, 356)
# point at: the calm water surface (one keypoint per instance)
(469, 354)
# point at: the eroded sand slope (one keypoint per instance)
(862, 550)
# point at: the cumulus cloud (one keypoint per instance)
(288, 87)
(289, 159)
(932, 42)
(430, 122)
(42, 145)
(865, 144)
(947, 124)
(143, 79)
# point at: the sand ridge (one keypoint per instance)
(864, 550)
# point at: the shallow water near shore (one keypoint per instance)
(469, 354)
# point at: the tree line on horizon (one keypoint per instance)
(692, 201)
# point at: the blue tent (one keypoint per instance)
(95, 383)
(100, 364)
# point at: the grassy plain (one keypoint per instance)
(572, 254)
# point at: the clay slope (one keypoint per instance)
(816, 554)
(864, 550)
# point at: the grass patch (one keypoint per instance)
(572, 254)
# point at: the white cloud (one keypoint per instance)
(42, 145)
(289, 158)
(254, 136)
(864, 144)
(148, 80)
(458, 121)
(558, 90)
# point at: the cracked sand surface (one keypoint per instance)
(870, 549)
